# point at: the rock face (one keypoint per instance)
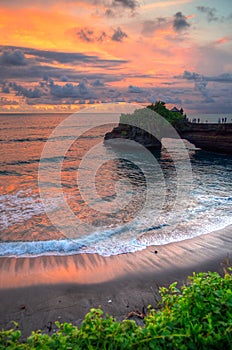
(208, 137)
(133, 133)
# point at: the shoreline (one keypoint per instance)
(86, 268)
(39, 290)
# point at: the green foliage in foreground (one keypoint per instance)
(199, 316)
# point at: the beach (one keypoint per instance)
(36, 292)
(46, 276)
(116, 161)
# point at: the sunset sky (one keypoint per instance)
(66, 54)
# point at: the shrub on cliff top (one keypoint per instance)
(198, 316)
(171, 116)
(146, 118)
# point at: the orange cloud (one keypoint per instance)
(222, 40)
(58, 28)
(149, 60)
(36, 28)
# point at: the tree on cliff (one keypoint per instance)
(172, 117)
(146, 119)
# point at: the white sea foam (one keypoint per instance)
(108, 243)
(21, 206)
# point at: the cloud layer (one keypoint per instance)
(64, 52)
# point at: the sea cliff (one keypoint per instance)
(124, 131)
(208, 137)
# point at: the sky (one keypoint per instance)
(63, 55)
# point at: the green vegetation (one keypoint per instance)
(124, 132)
(172, 117)
(199, 316)
(146, 119)
(141, 118)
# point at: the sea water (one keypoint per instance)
(26, 224)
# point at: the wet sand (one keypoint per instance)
(38, 291)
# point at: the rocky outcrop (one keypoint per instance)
(208, 137)
(130, 132)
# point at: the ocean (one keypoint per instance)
(106, 200)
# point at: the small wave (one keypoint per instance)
(69, 247)
(105, 243)
(45, 139)
(36, 160)
(9, 172)
(23, 162)
(52, 159)
(27, 139)
(61, 247)
(154, 228)
(57, 247)
(22, 206)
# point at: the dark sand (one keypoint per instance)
(38, 291)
